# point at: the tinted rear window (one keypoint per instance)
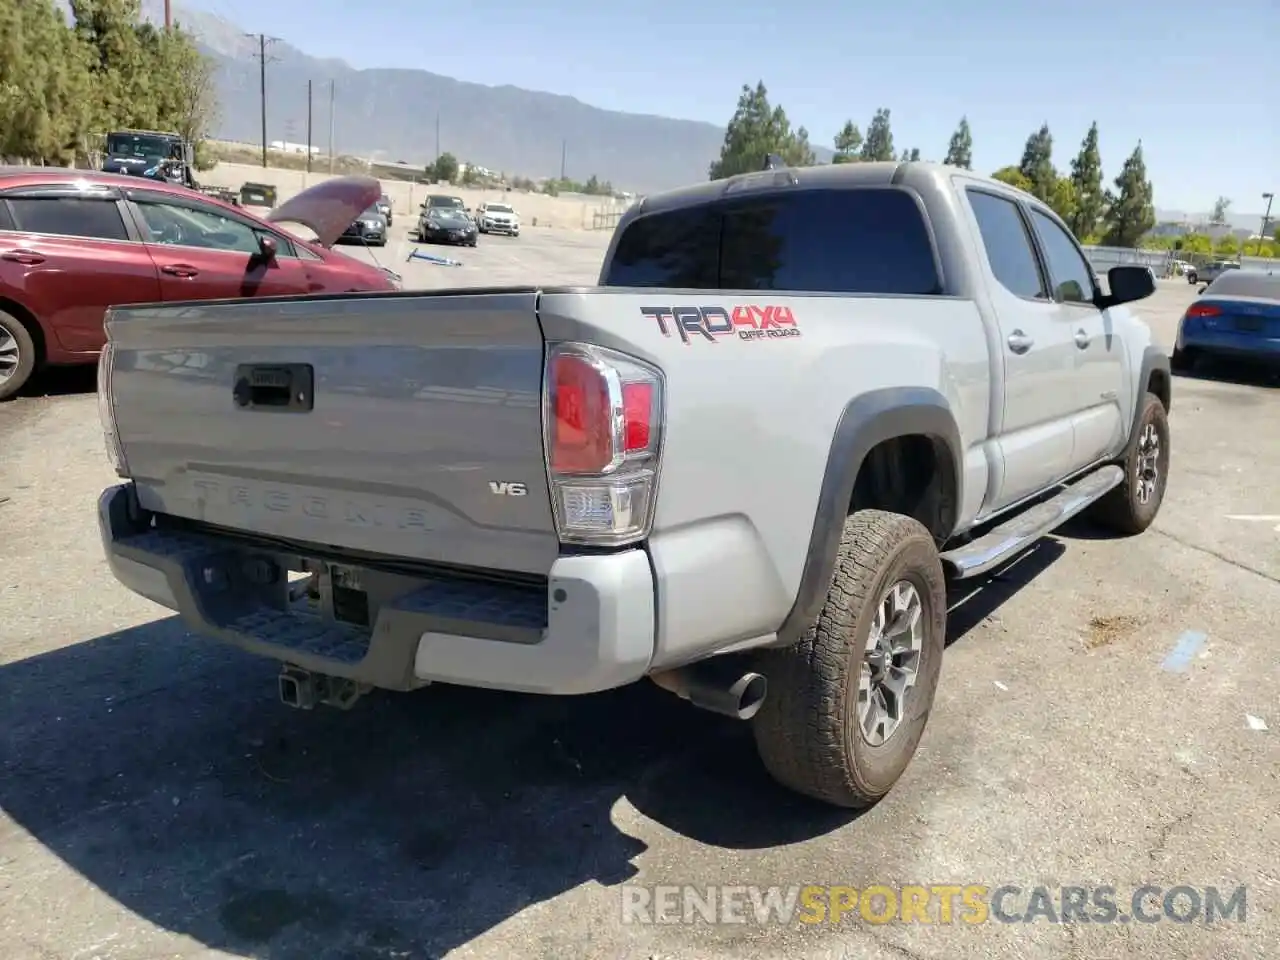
(868, 240)
(1245, 283)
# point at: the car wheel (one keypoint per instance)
(1132, 506)
(17, 355)
(847, 704)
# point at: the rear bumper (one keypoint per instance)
(592, 630)
(1229, 343)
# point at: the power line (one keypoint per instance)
(263, 60)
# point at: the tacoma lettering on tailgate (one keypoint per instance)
(746, 322)
(341, 509)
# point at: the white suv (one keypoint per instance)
(497, 218)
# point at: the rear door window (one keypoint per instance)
(91, 218)
(859, 241)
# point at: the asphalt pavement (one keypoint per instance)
(1108, 715)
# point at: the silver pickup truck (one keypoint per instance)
(744, 465)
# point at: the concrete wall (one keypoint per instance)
(575, 213)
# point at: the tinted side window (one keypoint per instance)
(1009, 249)
(1072, 276)
(675, 249)
(69, 216)
(869, 241)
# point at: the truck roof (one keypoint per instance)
(826, 176)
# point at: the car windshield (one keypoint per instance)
(448, 203)
(372, 212)
(138, 145)
(498, 208)
(1245, 283)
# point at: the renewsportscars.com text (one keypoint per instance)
(934, 903)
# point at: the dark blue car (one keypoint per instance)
(1238, 315)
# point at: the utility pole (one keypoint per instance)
(437, 139)
(1266, 219)
(331, 127)
(168, 16)
(263, 59)
(308, 126)
(564, 153)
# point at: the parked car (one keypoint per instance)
(446, 225)
(384, 207)
(1211, 272)
(258, 195)
(562, 507)
(497, 218)
(444, 201)
(1238, 315)
(370, 227)
(73, 242)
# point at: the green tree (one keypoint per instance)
(1013, 177)
(1132, 209)
(187, 101)
(1037, 164)
(469, 176)
(1219, 216)
(444, 170)
(960, 149)
(1064, 202)
(1086, 183)
(122, 56)
(847, 143)
(910, 155)
(757, 130)
(879, 142)
(45, 95)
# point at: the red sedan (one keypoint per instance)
(74, 242)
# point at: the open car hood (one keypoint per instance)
(330, 207)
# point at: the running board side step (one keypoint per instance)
(1003, 542)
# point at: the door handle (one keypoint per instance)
(1082, 339)
(180, 270)
(29, 257)
(1019, 342)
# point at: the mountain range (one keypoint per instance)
(390, 114)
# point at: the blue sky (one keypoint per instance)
(1199, 85)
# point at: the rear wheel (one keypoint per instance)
(17, 355)
(847, 704)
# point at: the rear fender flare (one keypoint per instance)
(866, 421)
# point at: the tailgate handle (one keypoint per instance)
(282, 387)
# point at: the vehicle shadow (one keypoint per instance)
(61, 382)
(971, 602)
(160, 767)
(1218, 370)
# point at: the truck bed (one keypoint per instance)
(369, 423)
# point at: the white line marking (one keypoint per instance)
(1255, 723)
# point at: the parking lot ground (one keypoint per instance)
(1098, 722)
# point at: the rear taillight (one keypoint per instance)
(602, 426)
(1203, 310)
(106, 412)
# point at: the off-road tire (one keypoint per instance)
(13, 327)
(807, 732)
(1120, 510)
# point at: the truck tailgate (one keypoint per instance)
(418, 434)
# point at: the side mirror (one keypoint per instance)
(268, 247)
(1129, 283)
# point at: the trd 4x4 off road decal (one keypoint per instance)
(746, 322)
